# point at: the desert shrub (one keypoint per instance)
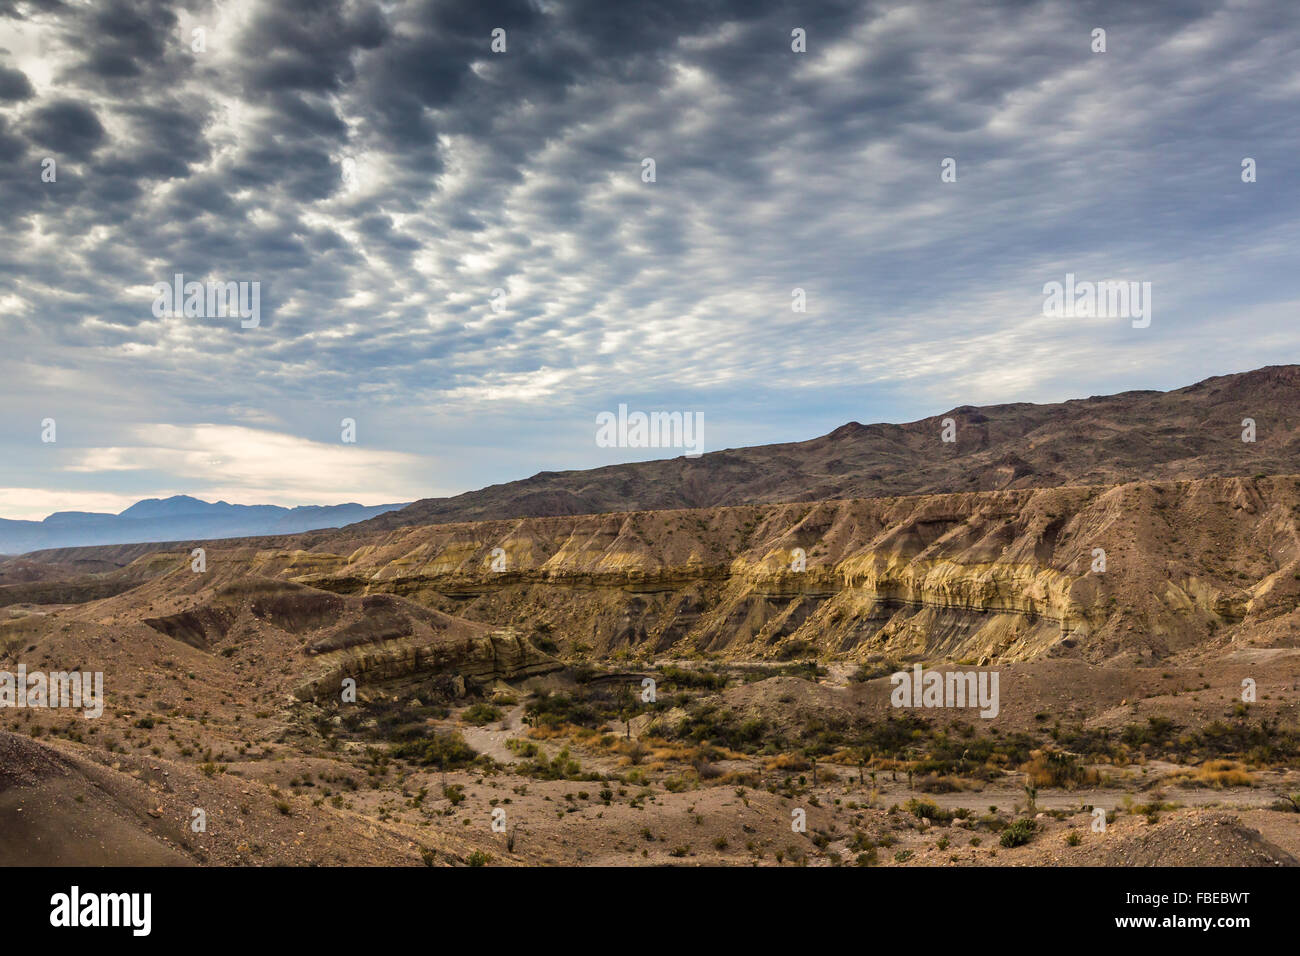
(933, 784)
(446, 751)
(1290, 803)
(860, 842)
(872, 670)
(795, 649)
(556, 709)
(481, 713)
(1019, 833)
(524, 748)
(925, 810)
(689, 677)
(1052, 768)
(713, 725)
(560, 767)
(394, 721)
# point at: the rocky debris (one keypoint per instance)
(1189, 838)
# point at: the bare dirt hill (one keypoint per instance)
(62, 804)
(56, 810)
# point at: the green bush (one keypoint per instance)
(447, 751)
(1019, 833)
(480, 714)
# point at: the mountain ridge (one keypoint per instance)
(179, 517)
(1194, 431)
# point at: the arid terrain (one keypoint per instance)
(689, 662)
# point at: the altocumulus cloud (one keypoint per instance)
(380, 171)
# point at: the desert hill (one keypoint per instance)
(1191, 432)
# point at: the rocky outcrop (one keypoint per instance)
(1145, 570)
(374, 638)
(480, 658)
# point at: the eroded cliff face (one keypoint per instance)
(483, 658)
(322, 637)
(988, 576)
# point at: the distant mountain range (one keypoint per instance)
(179, 518)
(1191, 432)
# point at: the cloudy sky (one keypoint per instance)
(380, 170)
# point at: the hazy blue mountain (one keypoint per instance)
(179, 518)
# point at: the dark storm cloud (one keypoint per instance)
(14, 85)
(163, 142)
(71, 127)
(307, 46)
(12, 146)
(128, 40)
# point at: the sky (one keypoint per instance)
(457, 248)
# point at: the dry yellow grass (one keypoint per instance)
(1047, 769)
(793, 762)
(549, 732)
(1224, 773)
(1213, 773)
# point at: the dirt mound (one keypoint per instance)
(378, 622)
(290, 607)
(59, 811)
(27, 571)
(294, 608)
(1210, 839)
(24, 762)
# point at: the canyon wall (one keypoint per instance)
(1011, 575)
